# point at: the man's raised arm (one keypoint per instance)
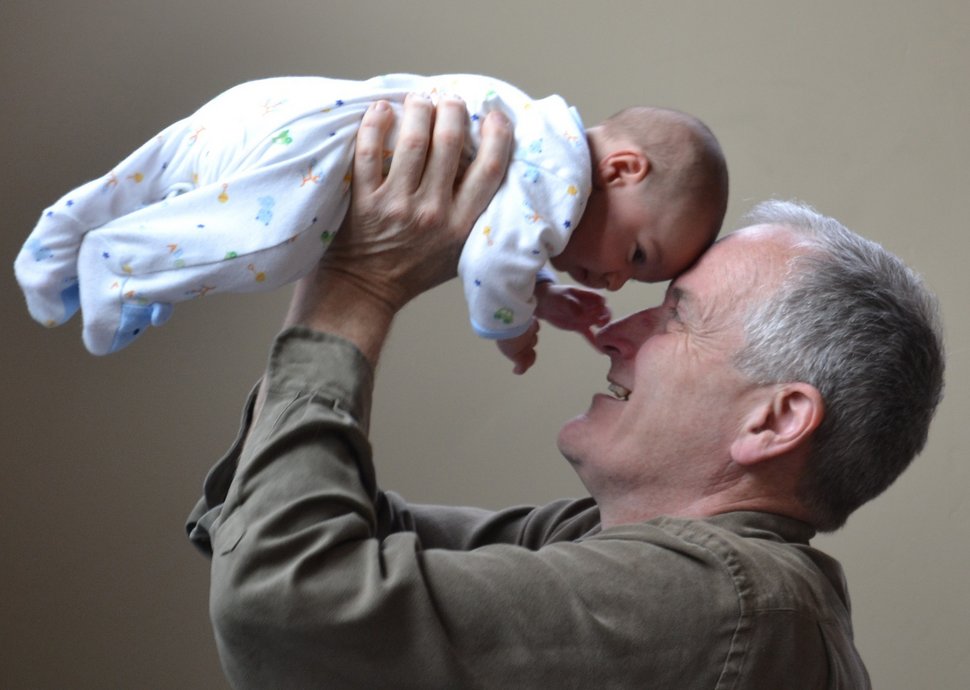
(302, 591)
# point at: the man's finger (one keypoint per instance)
(413, 141)
(447, 143)
(485, 174)
(368, 166)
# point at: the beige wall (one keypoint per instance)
(860, 108)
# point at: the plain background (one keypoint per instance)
(859, 108)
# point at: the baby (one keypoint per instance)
(246, 194)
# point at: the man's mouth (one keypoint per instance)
(619, 392)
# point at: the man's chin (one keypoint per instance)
(570, 439)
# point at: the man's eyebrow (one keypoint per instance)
(678, 294)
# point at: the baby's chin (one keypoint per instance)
(581, 277)
(577, 274)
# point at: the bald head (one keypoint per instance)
(688, 166)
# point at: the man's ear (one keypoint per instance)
(783, 421)
(623, 166)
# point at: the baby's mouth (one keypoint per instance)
(584, 277)
(620, 392)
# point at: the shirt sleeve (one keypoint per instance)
(461, 528)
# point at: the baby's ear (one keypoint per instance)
(623, 166)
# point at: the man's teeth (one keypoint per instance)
(619, 391)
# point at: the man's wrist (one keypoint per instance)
(330, 301)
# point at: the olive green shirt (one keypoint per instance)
(320, 580)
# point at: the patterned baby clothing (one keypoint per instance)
(246, 194)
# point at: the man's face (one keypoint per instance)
(677, 401)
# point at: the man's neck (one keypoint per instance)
(637, 509)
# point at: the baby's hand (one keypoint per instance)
(521, 349)
(571, 308)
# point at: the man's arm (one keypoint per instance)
(298, 593)
(403, 234)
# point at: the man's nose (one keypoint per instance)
(623, 337)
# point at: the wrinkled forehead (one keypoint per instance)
(741, 267)
(762, 249)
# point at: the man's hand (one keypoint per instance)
(403, 234)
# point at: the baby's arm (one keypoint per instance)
(522, 348)
(571, 308)
(564, 306)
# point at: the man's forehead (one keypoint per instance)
(709, 267)
(766, 236)
(728, 271)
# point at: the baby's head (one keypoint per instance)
(660, 187)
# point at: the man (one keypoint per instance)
(736, 428)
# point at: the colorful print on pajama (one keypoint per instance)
(246, 193)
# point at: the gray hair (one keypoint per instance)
(855, 322)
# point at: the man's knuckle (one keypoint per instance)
(398, 209)
(413, 141)
(451, 138)
(430, 215)
(493, 167)
(367, 151)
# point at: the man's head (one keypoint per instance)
(860, 326)
(794, 369)
(660, 187)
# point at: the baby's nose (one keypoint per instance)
(614, 281)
